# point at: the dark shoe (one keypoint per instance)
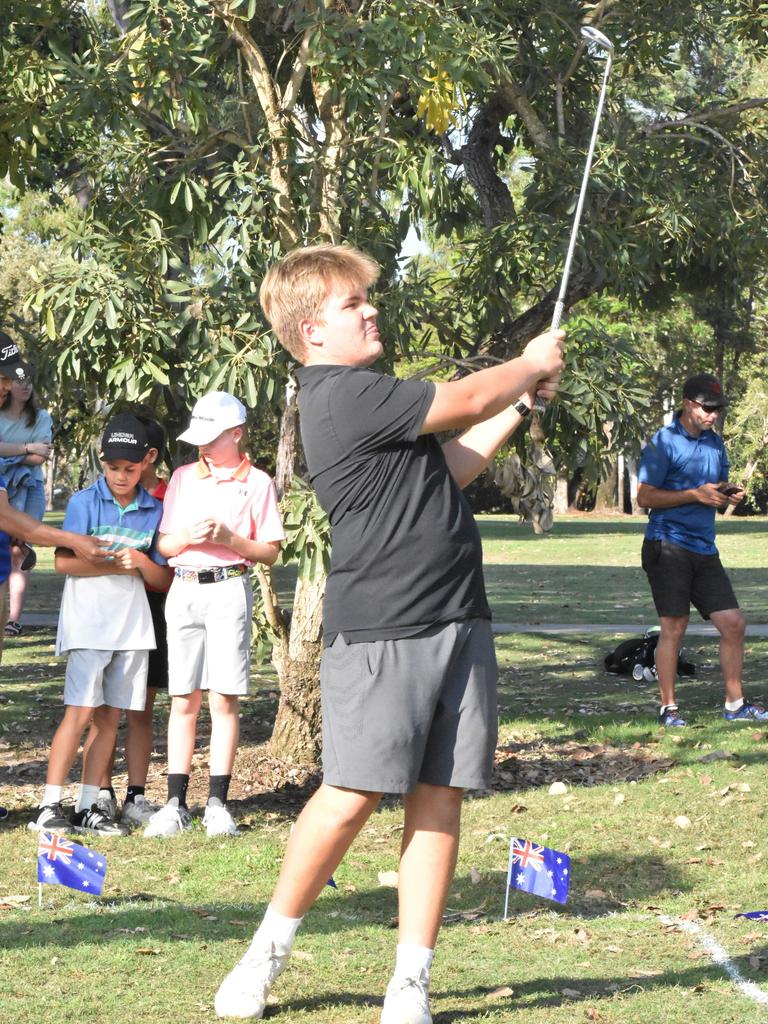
(50, 818)
(30, 559)
(12, 628)
(94, 820)
(670, 718)
(3, 813)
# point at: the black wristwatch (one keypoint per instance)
(522, 408)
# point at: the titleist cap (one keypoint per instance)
(12, 365)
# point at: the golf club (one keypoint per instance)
(592, 35)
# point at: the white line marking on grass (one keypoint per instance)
(718, 955)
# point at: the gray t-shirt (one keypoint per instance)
(406, 550)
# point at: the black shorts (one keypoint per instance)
(157, 673)
(680, 578)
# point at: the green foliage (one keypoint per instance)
(307, 531)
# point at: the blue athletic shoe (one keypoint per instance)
(748, 712)
(3, 813)
(670, 718)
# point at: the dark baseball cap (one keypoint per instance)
(705, 389)
(125, 437)
(12, 365)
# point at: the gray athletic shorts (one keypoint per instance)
(419, 709)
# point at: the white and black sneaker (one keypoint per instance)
(50, 818)
(92, 819)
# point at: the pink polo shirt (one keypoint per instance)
(242, 498)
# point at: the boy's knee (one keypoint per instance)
(731, 624)
(223, 703)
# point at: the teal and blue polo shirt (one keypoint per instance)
(95, 512)
(676, 461)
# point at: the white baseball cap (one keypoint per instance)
(212, 415)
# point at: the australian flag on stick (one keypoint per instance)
(538, 870)
(62, 862)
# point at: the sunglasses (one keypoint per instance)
(707, 408)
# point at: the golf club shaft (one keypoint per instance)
(560, 304)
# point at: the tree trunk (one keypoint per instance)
(561, 493)
(297, 638)
(607, 489)
(632, 471)
(296, 733)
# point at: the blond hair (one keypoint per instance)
(296, 288)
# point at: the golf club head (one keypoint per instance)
(592, 35)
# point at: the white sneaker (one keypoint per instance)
(244, 991)
(407, 1000)
(169, 820)
(219, 822)
(138, 811)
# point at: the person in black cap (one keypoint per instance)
(105, 623)
(684, 481)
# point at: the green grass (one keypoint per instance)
(175, 916)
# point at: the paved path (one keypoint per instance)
(696, 629)
(557, 628)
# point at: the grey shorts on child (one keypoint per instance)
(418, 709)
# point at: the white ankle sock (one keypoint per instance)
(412, 960)
(87, 796)
(52, 795)
(278, 930)
(734, 705)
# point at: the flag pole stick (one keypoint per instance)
(509, 879)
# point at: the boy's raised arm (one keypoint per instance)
(462, 403)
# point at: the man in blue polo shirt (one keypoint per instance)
(683, 481)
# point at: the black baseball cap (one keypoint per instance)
(125, 437)
(705, 389)
(11, 363)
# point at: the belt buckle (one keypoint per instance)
(206, 576)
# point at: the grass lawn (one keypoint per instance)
(176, 915)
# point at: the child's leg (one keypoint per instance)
(98, 751)
(65, 743)
(225, 731)
(182, 729)
(139, 740)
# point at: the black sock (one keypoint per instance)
(218, 788)
(177, 787)
(132, 792)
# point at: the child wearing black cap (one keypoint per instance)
(105, 623)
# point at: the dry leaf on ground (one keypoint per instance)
(388, 879)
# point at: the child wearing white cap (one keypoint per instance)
(220, 516)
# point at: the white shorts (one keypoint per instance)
(116, 678)
(209, 636)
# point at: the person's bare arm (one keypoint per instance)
(24, 527)
(171, 544)
(265, 552)
(156, 576)
(11, 448)
(468, 454)
(706, 494)
(69, 564)
(480, 396)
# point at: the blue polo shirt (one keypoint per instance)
(95, 512)
(5, 548)
(676, 461)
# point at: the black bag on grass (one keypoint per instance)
(637, 658)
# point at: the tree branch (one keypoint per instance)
(711, 114)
